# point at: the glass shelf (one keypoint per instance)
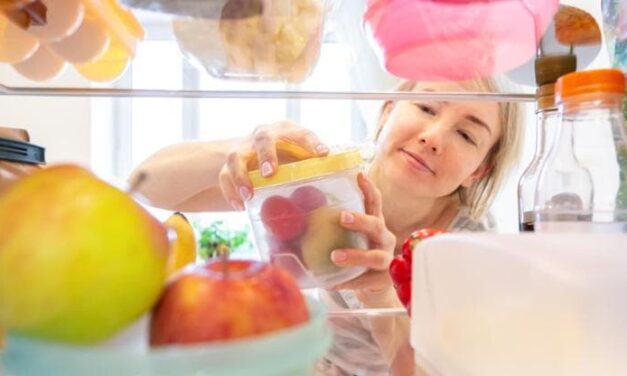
(261, 94)
(346, 53)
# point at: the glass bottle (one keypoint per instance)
(548, 69)
(578, 187)
(546, 120)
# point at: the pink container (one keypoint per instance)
(456, 39)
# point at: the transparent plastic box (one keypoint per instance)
(295, 217)
(270, 40)
(528, 304)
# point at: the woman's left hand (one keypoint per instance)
(372, 288)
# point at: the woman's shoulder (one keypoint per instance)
(464, 222)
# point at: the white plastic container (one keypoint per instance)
(295, 217)
(529, 304)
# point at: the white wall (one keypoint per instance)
(61, 125)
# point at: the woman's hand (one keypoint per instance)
(373, 288)
(261, 144)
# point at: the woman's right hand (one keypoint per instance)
(234, 181)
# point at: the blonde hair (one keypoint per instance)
(502, 156)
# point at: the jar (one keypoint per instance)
(18, 157)
(295, 216)
(580, 183)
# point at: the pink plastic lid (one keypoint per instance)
(456, 39)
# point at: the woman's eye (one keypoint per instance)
(466, 137)
(426, 109)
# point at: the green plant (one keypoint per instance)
(217, 236)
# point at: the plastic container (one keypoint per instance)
(583, 180)
(528, 304)
(295, 217)
(285, 353)
(456, 39)
(281, 42)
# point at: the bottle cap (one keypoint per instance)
(601, 81)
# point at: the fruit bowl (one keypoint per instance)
(288, 352)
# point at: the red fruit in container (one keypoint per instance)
(282, 218)
(308, 198)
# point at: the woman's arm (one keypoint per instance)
(185, 176)
(213, 175)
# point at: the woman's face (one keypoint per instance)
(432, 147)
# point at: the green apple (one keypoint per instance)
(79, 259)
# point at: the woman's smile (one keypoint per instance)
(416, 162)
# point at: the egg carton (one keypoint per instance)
(97, 37)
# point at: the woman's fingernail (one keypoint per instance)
(338, 256)
(236, 205)
(245, 193)
(347, 217)
(322, 149)
(266, 168)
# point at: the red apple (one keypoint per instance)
(308, 198)
(282, 218)
(226, 300)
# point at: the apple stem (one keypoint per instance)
(223, 250)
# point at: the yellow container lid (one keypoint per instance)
(308, 168)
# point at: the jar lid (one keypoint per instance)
(308, 168)
(549, 68)
(600, 81)
(22, 152)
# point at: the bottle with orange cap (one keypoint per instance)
(580, 179)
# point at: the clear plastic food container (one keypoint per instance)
(295, 216)
(276, 40)
(528, 304)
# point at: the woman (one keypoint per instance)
(437, 164)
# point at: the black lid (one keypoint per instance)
(20, 151)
